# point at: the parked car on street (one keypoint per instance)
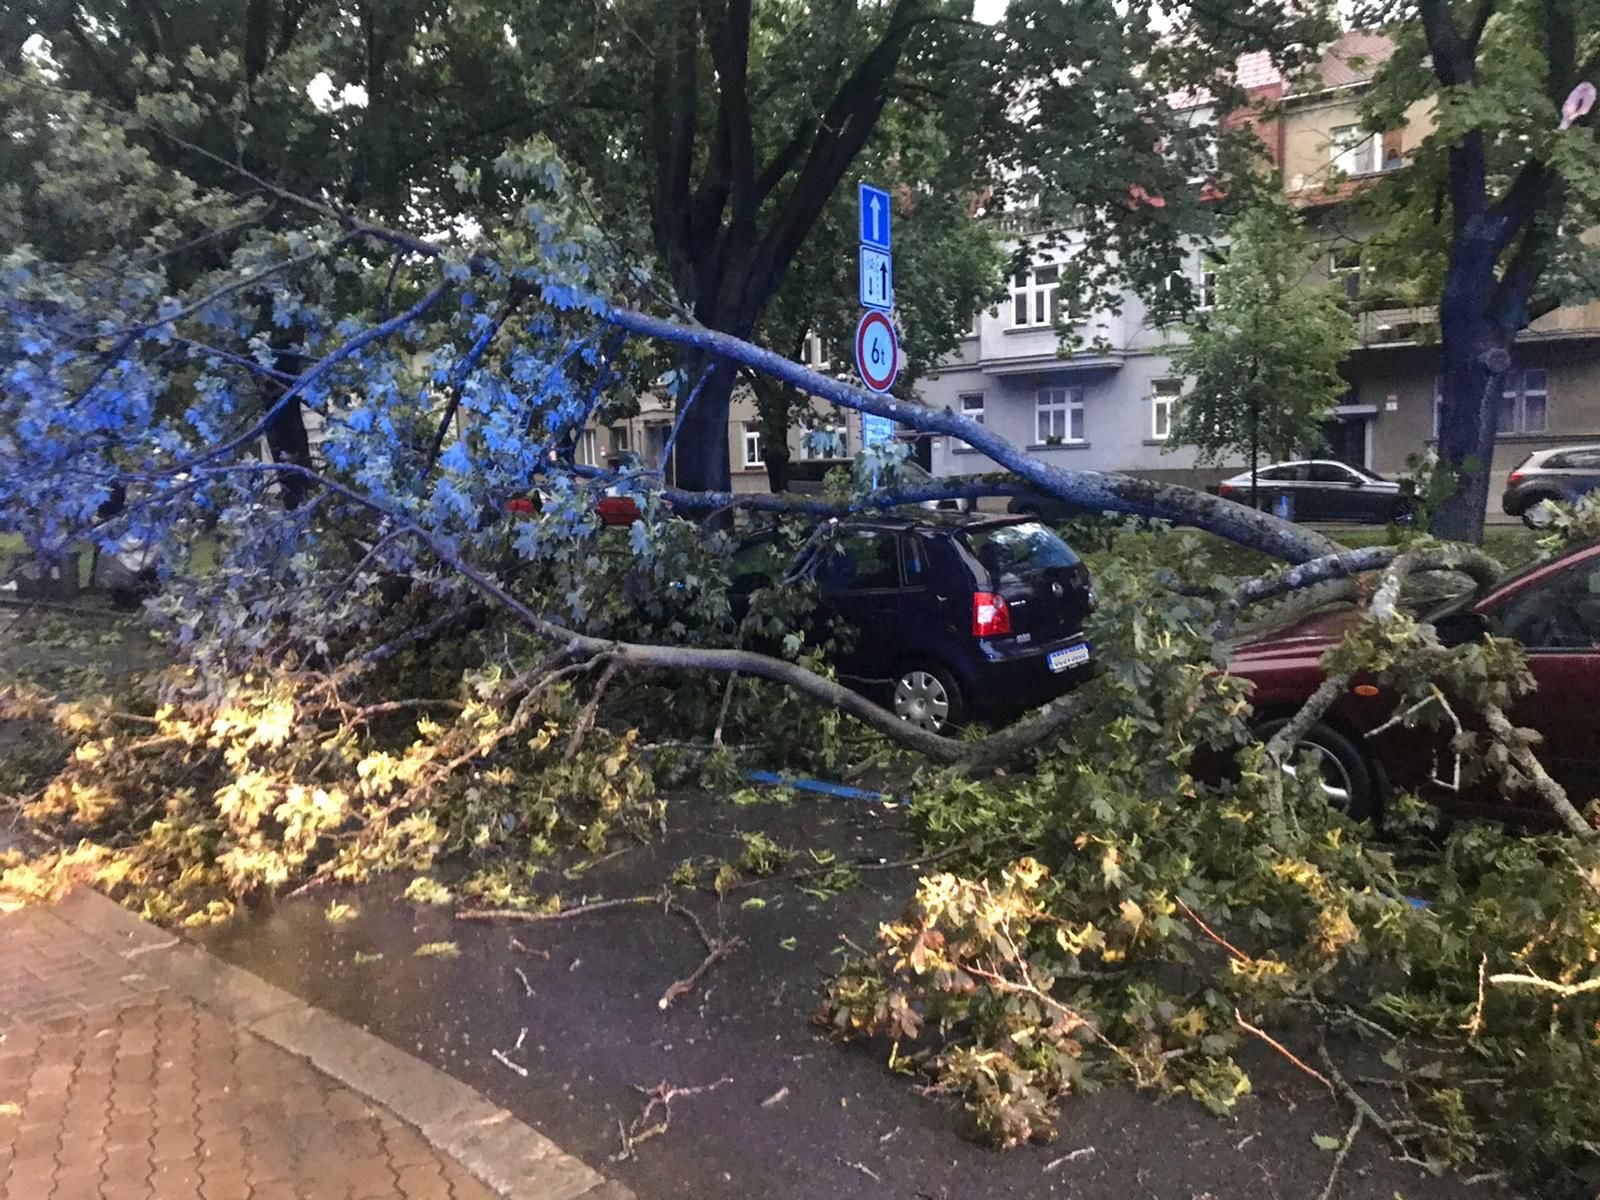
(951, 617)
(1553, 609)
(1323, 490)
(1563, 474)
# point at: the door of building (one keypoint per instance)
(1346, 437)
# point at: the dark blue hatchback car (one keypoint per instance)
(952, 618)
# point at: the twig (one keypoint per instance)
(684, 986)
(777, 1097)
(560, 914)
(1545, 985)
(1074, 1156)
(500, 1056)
(1344, 1152)
(662, 1096)
(527, 988)
(1360, 1102)
(1475, 1026)
(517, 944)
(863, 1168)
(1213, 934)
(1283, 1050)
(586, 719)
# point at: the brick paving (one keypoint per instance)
(114, 1088)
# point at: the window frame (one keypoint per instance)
(967, 410)
(1348, 145)
(1068, 404)
(752, 439)
(1041, 301)
(1163, 404)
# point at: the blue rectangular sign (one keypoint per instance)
(875, 429)
(874, 217)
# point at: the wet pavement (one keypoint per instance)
(785, 1114)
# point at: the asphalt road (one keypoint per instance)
(785, 1114)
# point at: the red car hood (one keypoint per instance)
(1309, 637)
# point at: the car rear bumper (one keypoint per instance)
(1012, 677)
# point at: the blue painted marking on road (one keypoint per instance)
(842, 791)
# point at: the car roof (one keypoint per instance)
(1552, 451)
(936, 521)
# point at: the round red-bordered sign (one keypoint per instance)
(877, 351)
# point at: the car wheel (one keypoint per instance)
(927, 696)
(1346, 778)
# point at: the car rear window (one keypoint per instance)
(1019, 552)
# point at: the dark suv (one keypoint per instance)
(951, 617)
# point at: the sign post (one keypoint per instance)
(877, 345)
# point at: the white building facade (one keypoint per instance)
(1105, 407)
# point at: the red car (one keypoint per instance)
(1553, 609)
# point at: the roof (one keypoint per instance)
(1354, 58)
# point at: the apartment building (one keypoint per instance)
(1551, 396)
(1110, 409)
(647, 433)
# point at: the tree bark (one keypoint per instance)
(772, 403)
(1474, 359)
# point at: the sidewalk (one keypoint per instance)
(133, 1066)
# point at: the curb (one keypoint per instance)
(505, 1154)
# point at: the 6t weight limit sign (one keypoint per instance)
(877, 352)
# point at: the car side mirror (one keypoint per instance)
(1358, 483)
(1462, 627)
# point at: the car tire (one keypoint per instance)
(1347, 778)
(927, 695)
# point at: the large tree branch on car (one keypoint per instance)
(1518, 746)
(1468, 560)
(1284, 742)
(577, 647)
(1091, 490)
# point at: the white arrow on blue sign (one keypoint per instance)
(877, 279)
(874, 217)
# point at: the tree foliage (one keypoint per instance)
(1265, 360)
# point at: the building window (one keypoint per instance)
(972, 406)
(1524, 402)
(619, 439)
(1163, 397)
(752, 445)
(816, 352)
(1033, 296)
(1354, 151)
(1344, 268)
(1059, 412)
(1194, 281)
(586, 451)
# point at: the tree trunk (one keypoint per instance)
(700, 455)
(1474, 360)
(773, 403)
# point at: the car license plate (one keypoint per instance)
(1072, 656)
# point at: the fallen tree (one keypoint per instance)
(390, 667)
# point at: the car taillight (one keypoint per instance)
(991, 615)
(1224, 489)
(1514, 477)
